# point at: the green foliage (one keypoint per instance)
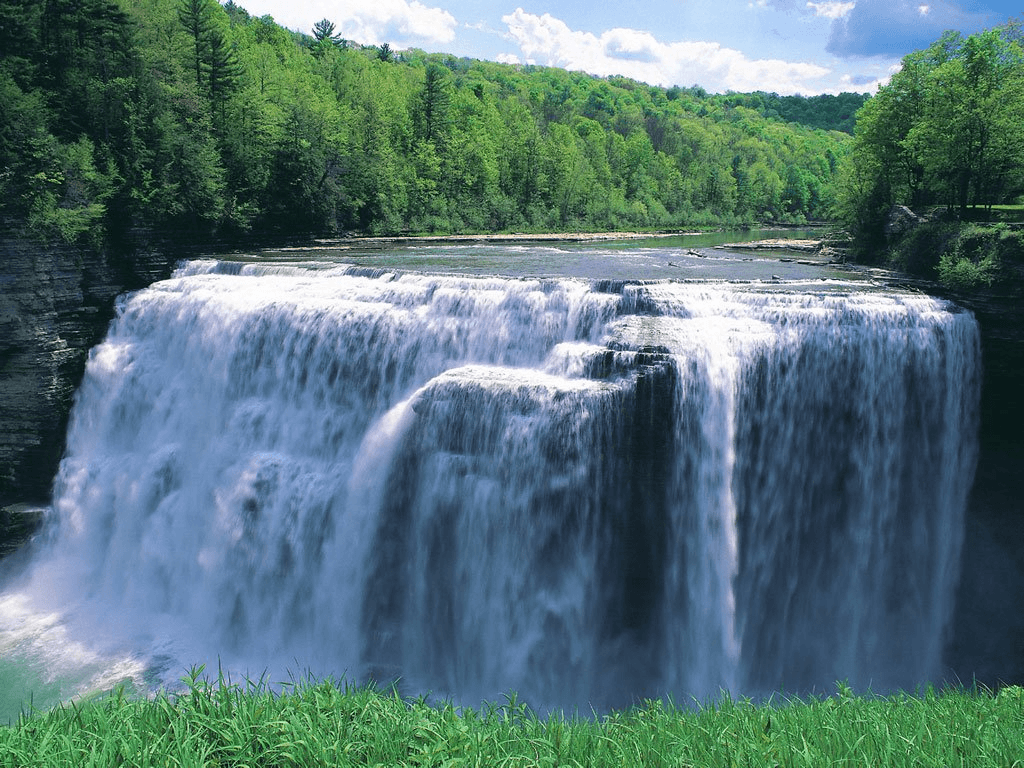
(200, 119)
(964, 273)
(919, 251)
(66, 194)
(948, 130)
(310, 723)
(974, 258)
(960, 256)
(826, 111)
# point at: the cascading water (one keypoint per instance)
(586, 493)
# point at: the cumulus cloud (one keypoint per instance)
(641, 56)
(401, 23)
(895, 27)
(831, 10)
(395, 21)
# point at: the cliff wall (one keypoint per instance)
(987, 642)
(55, 304)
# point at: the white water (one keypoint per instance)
(484, 485)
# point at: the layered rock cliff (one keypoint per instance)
(55, 304)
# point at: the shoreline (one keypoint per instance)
(776, 244)
(515, 237)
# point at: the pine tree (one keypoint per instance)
(216, 65)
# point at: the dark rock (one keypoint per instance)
(56, 302)
(988, 628)
(18, 522)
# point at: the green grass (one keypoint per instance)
(1007, 212)
(221, 724)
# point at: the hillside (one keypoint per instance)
(197, 119)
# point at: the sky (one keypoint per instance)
(785, 46)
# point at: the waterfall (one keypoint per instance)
(588, 493)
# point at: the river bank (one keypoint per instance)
(361, 241)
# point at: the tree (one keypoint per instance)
(970, 127)
(196, 16)
(224, 70)
(325, 37)
(196, 117)
(214, 61)
(947, 130)
(434, 103)
(68, 194)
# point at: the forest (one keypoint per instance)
(199, 120)
(946, 133)
(945, 139)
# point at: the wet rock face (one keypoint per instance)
(988, 628)
(17, 523)
(55, 304)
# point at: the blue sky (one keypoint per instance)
(786, 46)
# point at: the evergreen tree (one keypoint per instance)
(214, 61)
(325, 37)
(434, 103)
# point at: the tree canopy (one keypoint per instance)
(947, 131)
(199, 119)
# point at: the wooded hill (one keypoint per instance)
(946, 132)
(197, 119)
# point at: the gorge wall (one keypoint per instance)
(55, 305)
(989, 628)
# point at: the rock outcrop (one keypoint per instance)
(55, 304)
(900, 221)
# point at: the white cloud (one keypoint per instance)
(507, 58)
(831, 10)
(923, 9)
(400, 23)
(641, 56)
(863, 84)
(395, 21)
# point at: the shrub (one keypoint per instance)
(972, 260)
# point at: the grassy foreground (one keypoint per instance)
(312, 724)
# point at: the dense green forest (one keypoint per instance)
(197, 119)
(947, 131)
(944, 138)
